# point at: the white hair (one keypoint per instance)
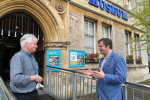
(27, 38)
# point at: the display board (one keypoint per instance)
(76, 58)
(54, 58)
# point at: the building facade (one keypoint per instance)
(70, 25)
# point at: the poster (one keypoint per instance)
(54, 58)
(80, 60)
(73, 58)
(76, 58)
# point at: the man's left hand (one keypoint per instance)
(98, 74)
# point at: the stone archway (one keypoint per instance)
(45, 15)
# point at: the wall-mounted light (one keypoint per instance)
(2, 32)
(15, 34)
(8, 33)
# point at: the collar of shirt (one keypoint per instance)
(27, 53)
(106, 57)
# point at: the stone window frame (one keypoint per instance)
(127, 42)
(94, 45)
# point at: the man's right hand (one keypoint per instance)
(88, 72)
(36, 78)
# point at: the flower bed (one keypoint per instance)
(129, 59)
(91, 57)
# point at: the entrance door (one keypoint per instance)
(12, 27)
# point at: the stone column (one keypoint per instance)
(133, 47)
(98, 35)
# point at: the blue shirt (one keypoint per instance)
(21, 70)
(104, 60)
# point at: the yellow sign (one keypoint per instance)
(73, 62)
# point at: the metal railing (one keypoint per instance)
(5, 92)
(71, 85)
(134, 91)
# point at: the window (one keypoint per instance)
(105, 31)
(127, 43)
(136, 45)
(129, 4)
(89, 36)
(122, 2)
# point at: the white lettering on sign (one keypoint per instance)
(46, 1)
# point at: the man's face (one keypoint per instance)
(32, 46)
(102, 48)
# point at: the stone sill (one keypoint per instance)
(91, 63)
(128, 66)
(137, 65)
(80, 68)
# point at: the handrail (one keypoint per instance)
(65, 69)
(9, 93)
(140, 85)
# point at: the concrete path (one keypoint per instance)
(44, 96)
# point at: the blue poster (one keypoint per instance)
(54, 58)
(76, 58)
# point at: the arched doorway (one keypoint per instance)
(47, 17)
(12, 27)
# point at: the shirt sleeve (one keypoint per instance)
(120, 72)
(16, 72)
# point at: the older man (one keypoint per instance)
(24, 70)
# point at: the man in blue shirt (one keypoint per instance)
(111, 73)
(24, 70)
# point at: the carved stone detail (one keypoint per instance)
(55, 46)
(60, 6)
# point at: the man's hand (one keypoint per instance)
(36, 78)
(88, 72)
(98, 74)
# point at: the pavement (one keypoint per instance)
(44, 96)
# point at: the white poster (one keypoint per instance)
(73, 56)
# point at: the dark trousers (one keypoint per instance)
(27, 96)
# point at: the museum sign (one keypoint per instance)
(109, 8)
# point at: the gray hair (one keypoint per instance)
(27, 38)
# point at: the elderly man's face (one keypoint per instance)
(32, 46)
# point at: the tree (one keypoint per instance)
(142, 22)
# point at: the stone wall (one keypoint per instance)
(137, 70)
(76, 31)
(118, 38)
(144, 53)
(137, 73)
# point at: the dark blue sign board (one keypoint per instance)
(54, 58)
(76, 58)
(109, 8)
